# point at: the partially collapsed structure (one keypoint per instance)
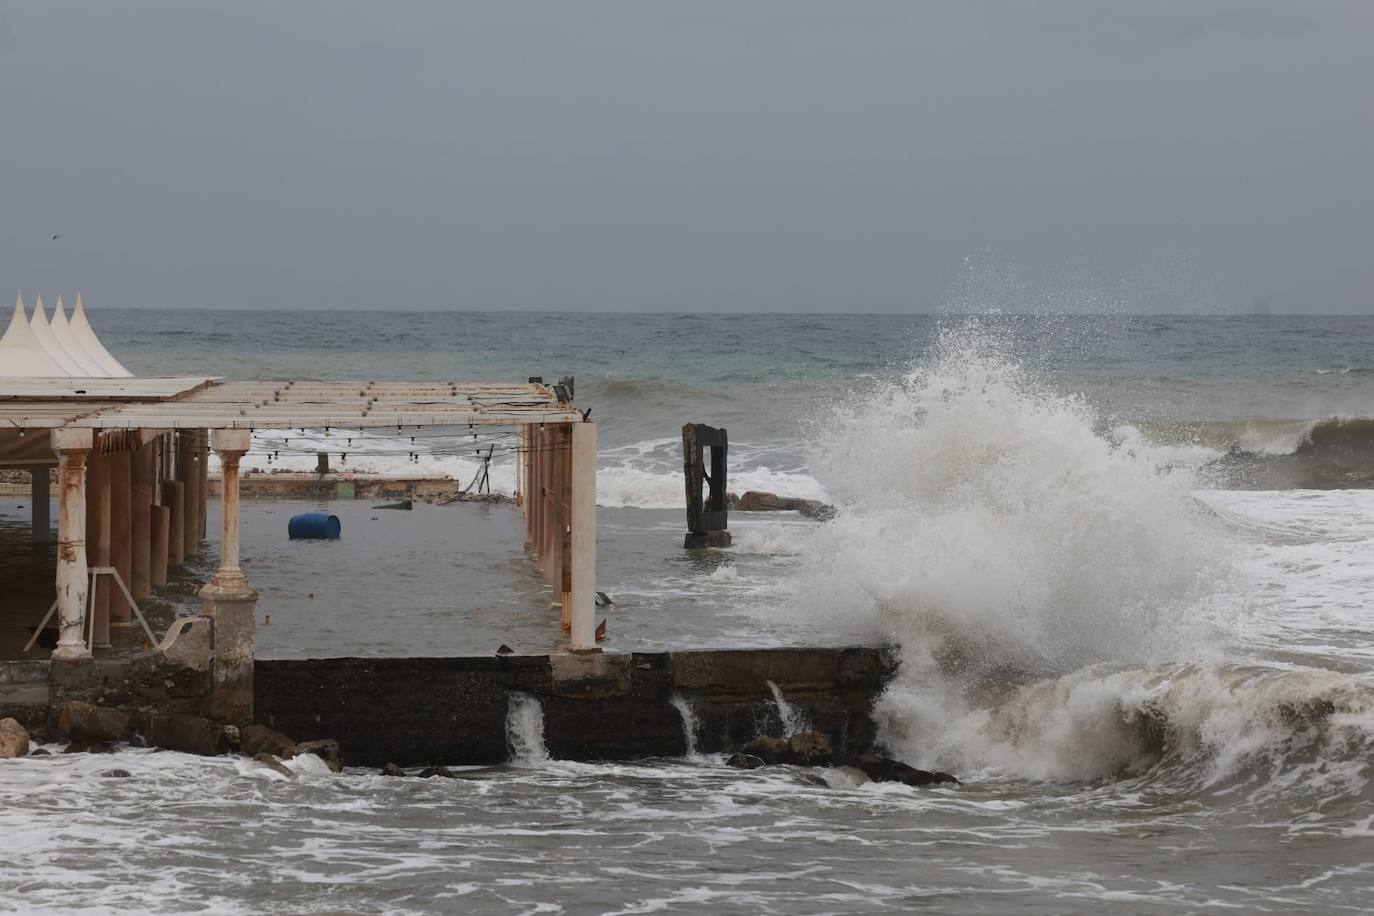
(132, 463)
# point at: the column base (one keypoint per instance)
(233, 606)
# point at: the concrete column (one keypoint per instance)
(203, 484)
(172, 492)
(228, 598)
(73, 576)
(159, 523)
(583, 525)
(121, 534)
(140, 529)
(190, 479)
(98, 537)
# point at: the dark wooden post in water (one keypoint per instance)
(706, 518)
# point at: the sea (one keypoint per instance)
(1126, 562)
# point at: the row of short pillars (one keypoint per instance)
(145, 513)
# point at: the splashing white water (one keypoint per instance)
(793, 720)
(525, 730)
(689, 722)
(989, 530)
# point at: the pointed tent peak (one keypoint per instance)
(62, 332)
(21, 352)
(82, 330)
(19, 316)
(48, 340)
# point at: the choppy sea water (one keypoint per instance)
(1127, 563)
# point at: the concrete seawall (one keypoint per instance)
(415, 711)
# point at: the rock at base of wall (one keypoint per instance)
(14, 739)
(228, 705)
(87, 722)
(768, 749)
(742, 761)
(189, 734)
(326, 749)
(885, 769)
(429, 772)
(392, 769)
(810, 749)
(259, 739)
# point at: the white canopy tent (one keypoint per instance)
(37, 348)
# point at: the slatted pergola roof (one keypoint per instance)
(199, 403)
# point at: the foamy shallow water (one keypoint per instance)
(185, 834)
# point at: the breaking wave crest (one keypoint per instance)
(1054, 593)
(1330, 452)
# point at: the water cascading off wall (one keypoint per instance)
(525, 730)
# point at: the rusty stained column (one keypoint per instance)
(98, 541)
(228, 598)
(73, 576)
(121, 533)
(140, 515)
(172, 492)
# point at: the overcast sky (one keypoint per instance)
(689, 155)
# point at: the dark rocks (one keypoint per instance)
(88, 722)
(116, 774)
(392, 769)
(91, 747)
(259, 739)
(14, 739)
(189, 734)
(768, 749)
(230, 706)
(742, 761)
(327, 749)
(445, 772)
(810, 749)
(885, 769)
(41, 752)
(272, 763)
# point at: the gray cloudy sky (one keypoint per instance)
(866, 156)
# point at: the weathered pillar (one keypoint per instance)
(121, 532)
(140, 529)
(159, 523)
(190, 479)
(172, 493)
(228, 598)
(583, 528)
(98, 536)
(73, 576)
(40, 505)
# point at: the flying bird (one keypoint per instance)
(55, 236)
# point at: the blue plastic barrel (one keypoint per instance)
(315, 526)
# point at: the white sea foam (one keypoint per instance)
(645, 475)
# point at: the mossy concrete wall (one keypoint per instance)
(415, 711)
